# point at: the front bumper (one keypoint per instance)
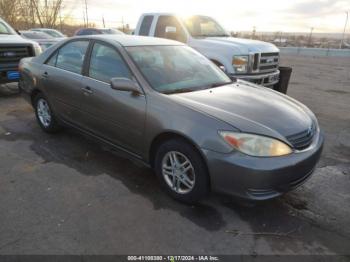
(260, 178)
(267, 79)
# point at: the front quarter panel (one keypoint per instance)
(167, 116)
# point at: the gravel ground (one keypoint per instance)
(66, 194)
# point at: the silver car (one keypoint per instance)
(170, 107)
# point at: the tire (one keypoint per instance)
(190, 188)
(46, 118)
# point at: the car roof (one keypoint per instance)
(131, 40)
(43, 29)
(35, 33)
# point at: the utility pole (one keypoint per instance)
(310, 35)
(346, 22)
(103, 22)
(123, 24)
(84, 19)
(253, 33)
(281, 38)
(86, 13)
(60, 19)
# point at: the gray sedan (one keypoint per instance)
(167, 105)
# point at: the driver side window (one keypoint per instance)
(170, 21)
(106, 63)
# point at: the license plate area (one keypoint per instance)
(12, 75)
(273, 78)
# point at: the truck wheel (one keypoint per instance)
(44, 114)
(181, 171)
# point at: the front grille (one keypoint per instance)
(303, 139)
(13, 54)
(265, 62)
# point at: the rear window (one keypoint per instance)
(146, 25)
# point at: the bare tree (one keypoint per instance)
(9, 10)
(46, 12)
(29, 13)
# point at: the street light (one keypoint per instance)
(346, 21)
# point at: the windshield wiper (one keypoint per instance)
(181, 90)
(3, 33)
(223, 35)
(213, 35)
(213, 85)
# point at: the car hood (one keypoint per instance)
(250, 108)
(244, 46)
(14, 39)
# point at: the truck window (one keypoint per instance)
(163, 22)
(146, 25)
(5, 29)
(203, 26)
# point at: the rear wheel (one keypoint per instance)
(44, 114)
(182, 171)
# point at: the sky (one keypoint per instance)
(325, 16)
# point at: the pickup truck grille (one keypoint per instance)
(13, 54)
(265, 62)
(303, 139)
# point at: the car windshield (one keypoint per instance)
(203, 26)
(5, 29)
(176, 69)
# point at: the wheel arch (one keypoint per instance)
(167, 135)
(33, 94)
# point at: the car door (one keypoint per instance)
(62, 78)
(117, 116)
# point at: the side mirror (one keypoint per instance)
(124, 84)
(17, 31)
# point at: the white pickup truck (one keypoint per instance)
(251, 60)
(12, 49)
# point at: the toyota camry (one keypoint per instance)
(168, 106)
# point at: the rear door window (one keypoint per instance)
(146, 25)
(71, 56)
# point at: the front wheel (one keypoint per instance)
(182, 171)
(44, 114)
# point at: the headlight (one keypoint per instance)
(37, 49)
(240, 64)
(256, 145)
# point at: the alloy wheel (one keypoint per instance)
(44, 113)
(178, 172)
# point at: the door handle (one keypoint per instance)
(87, 90)
(45, 75)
